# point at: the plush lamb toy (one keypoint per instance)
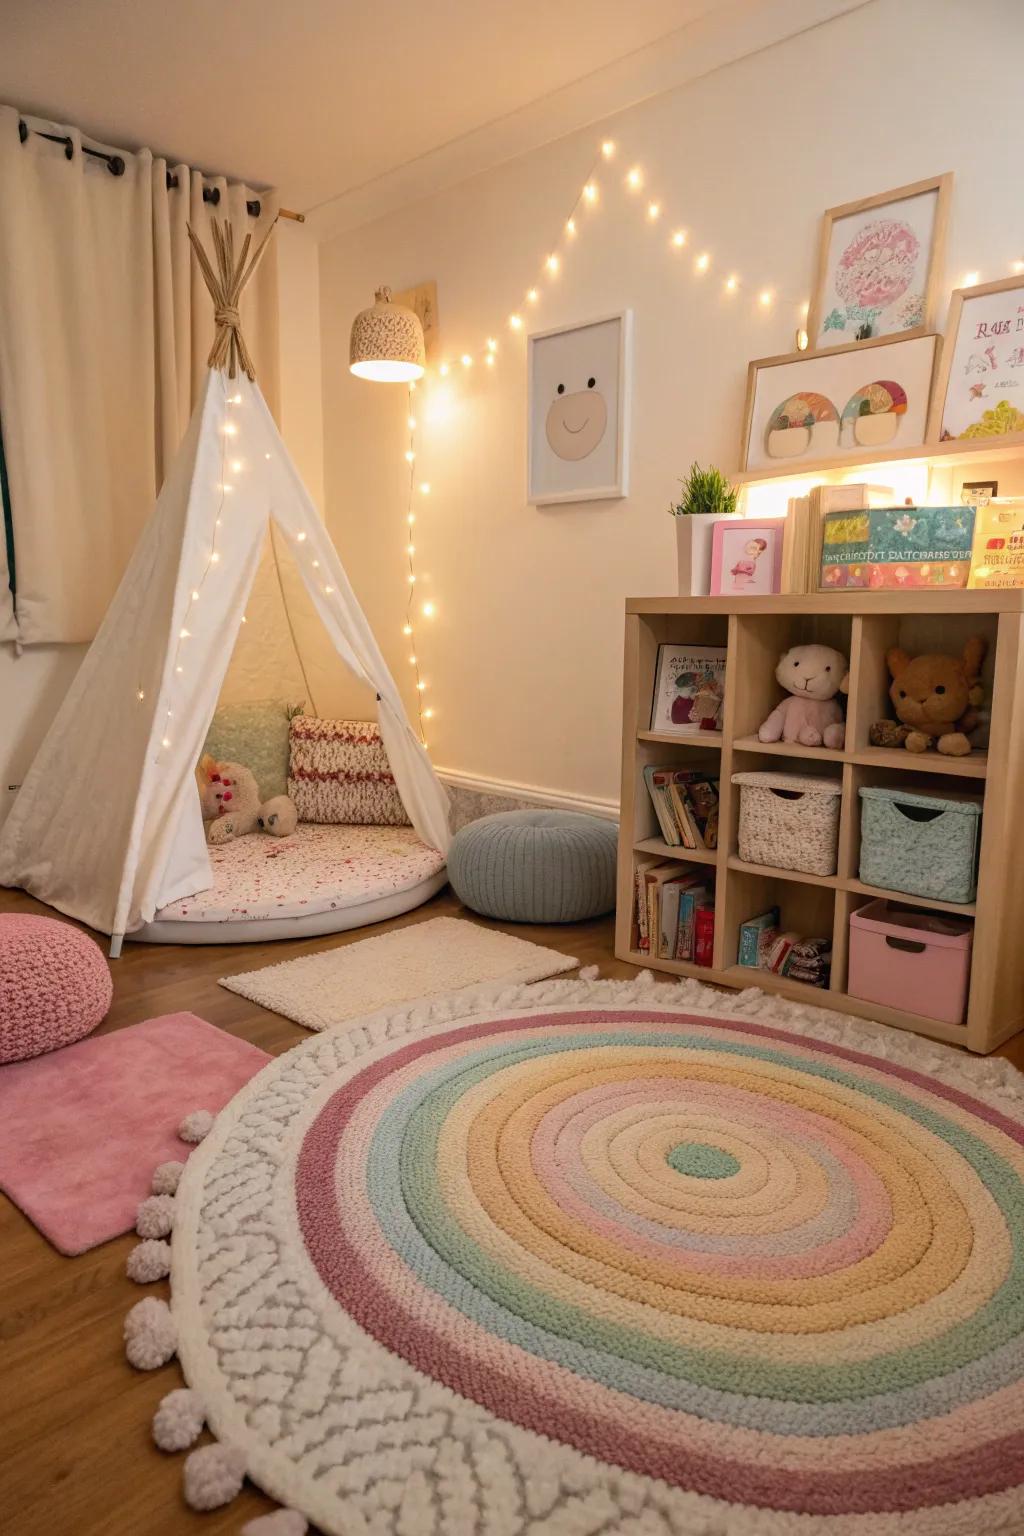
(231, 804)
(812, 715)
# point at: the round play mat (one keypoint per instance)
(633, 1259)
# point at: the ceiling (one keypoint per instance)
(315, 97)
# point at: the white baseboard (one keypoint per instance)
(558, 799)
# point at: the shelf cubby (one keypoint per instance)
(864, 625)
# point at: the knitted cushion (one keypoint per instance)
(535, 866)
(55, 985)
(340, 773)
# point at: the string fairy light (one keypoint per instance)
(409, 627)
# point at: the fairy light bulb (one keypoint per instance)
(679, 239)
(184, 634)
(970, 279)
(328, 590)
(489, 359)
(230, 430)
(443, 370)
(195, 594)
(425, 488)
(802, 340)
(179, 668)
(492, 345)
(552, 263)
(316, 565)
(410, 549)
(764, 298)
(532, 295)
(140, 694)
(516, 322)
(227, 488)
(653, 211)
(412, 661)
(731, 284)
(266, 455)
(421, 687)
(166, 741)
(412, 423)
(467, 361)
(1018, 266)
(590, 192)
(236, 466)
(412, 578)
(406, 629)
(634, 179)
(608, 148)
(428, 610)
(703, 262)
(214, 557)
(428, 714)
(301, 538)
(245, 619)
(570, 227)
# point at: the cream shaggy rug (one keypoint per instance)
(424, 960)
(608, 1257)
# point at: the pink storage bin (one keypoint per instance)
(909, 959)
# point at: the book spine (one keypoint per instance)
(704, 935)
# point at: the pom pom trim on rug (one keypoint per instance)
(150, 1335)
(148, 1261)
(213, 1476)
(166, 1178)
(992, 1081)
(196, 1126)
(178, 1421)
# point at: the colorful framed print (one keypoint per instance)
(578, 411)
(746, 557)
(980, 388)
(878, 264)
(812, 408)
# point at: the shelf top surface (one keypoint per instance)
(941, 600)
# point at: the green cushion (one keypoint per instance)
(535, 866)
(255, 735)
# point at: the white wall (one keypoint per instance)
(32, 685)
(524, 658)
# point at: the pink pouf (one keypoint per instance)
(55, 985)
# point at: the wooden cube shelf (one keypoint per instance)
(863, 625)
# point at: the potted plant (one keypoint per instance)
(706, 498)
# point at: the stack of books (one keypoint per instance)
(764, 945)
(673, 911)
(686, 804)
(805, 520)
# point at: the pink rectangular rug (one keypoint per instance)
(82, 1129)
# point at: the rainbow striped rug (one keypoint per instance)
(616, 1258)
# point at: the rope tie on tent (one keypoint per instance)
(229, 352)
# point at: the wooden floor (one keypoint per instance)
(75, 1449)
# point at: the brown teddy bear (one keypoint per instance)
(935, 698)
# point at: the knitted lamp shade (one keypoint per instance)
(387, 342)
(55, 985)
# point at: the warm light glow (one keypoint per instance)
(184, 634)
(234, 399)
(608, 148)
(166, 741)
(971, 279)
(443, 370)
(516, 322)
(214, 557)
(412, 423)
(764, 298)
(410, 549)
(590, 192)
(244, 619)
(230, 430)
(328, 590)
(266, 455)
(141, 695)
(467, 361)
(570, 226)
(489, 359)
(731, 283)
(1018, 266)
(429, 610)
(805, 308)
(409, 456)
(406, 629)
(181, 669)
(552, 263)
(635, 178)
(421, 687)
(226, 488)
(802, 340)
(412, 578)
(412, 661)
(411, 518)
(195, 594)
(424, 489)
(387, 370)
(653, 210)
(679, 239)
(316, 565)
(236, 466)
(301, 537)
(428, 714)
(703, 262)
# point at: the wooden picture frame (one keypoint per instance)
(959, 350)
(551, 483)
(852, 364)
(939, 187)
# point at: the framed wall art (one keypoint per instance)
(746, 557)
(805, 407)
(980, 388)
(879, 261)
(578, 411)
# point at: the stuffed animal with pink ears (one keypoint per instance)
(230, 799)
(811, 715)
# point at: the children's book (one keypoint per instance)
(752, 937)
(702, 798)
(997, 557)
(641, 935)
(689, 689)
(693, 897)
(704, 933)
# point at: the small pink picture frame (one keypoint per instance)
(746, 557)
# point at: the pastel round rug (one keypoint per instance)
(607, 1266)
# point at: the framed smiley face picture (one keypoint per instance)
(578, 409)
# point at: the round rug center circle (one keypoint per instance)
(700, 1161)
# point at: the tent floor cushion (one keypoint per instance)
(323, 879)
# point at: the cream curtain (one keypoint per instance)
(104, 331)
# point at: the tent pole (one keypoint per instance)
(116, 940)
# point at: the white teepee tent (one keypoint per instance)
(107, 825)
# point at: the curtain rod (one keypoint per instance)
(115, 165)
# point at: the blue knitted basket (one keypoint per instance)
(535, 866)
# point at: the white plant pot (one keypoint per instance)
(693, 542)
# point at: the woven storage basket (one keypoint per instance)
(926, 845)
(789, 821)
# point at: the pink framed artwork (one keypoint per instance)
(746, 557)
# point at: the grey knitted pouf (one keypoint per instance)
(535, 866)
